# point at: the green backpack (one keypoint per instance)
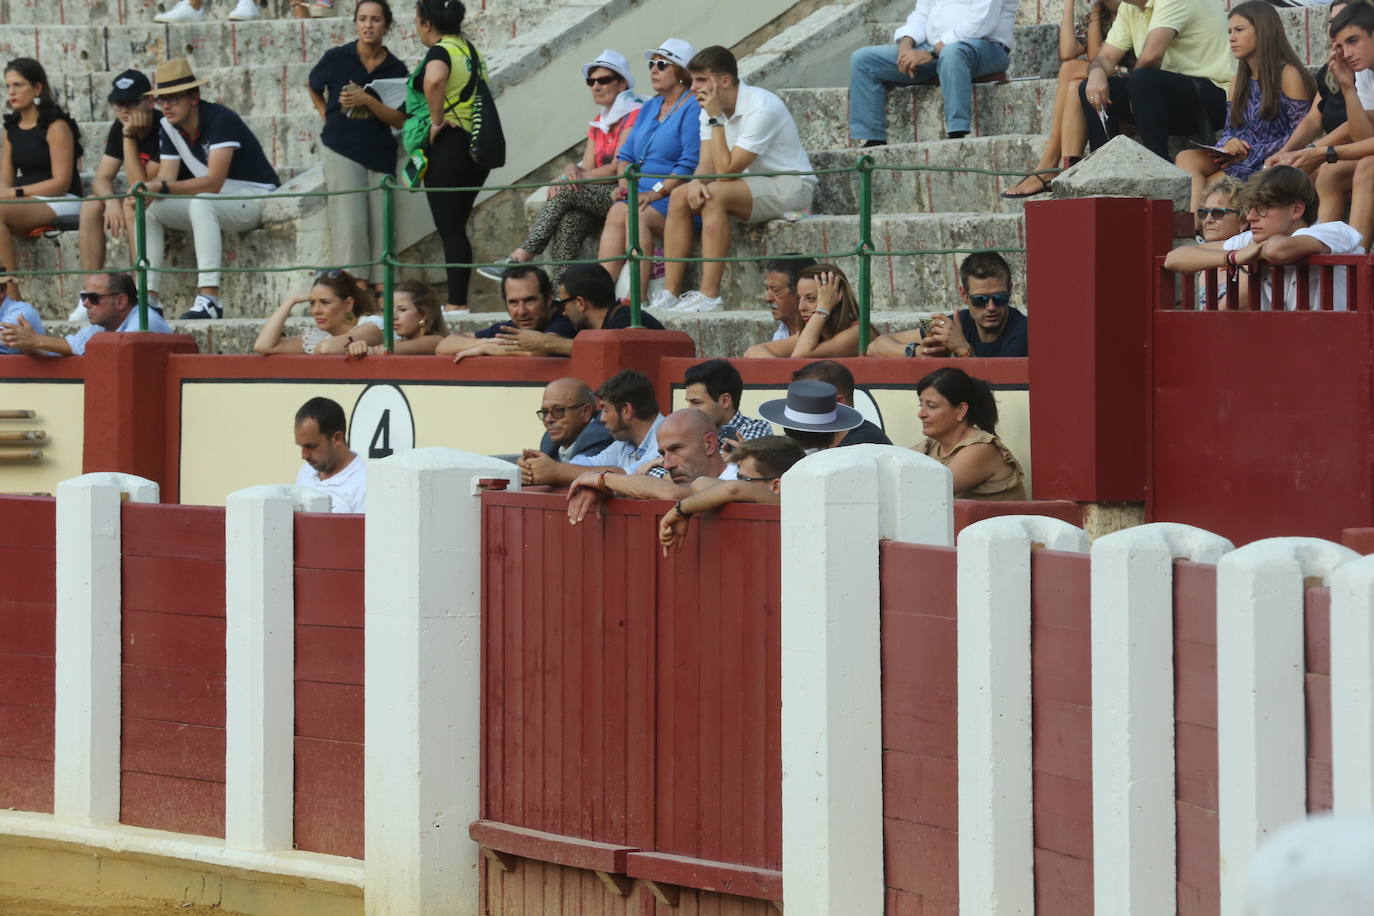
(415, 131)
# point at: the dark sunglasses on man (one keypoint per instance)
(982, 300)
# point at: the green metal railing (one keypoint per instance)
(634, 256)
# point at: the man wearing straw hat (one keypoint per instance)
(208, 155)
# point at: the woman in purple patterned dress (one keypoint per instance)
(1270, 95)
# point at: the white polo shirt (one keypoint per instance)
(762, 125)
(347, 489)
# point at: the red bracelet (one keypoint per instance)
(601, 481)
(1231, 258)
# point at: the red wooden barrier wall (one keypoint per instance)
(631, 701)
(329, 684)
(27, 625)
(172, 748)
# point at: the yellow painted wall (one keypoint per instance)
(236, 435)
(61, 410)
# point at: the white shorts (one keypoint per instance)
(66, 205)
(775, 195)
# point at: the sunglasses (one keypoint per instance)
(1206, 213)
(980, 300)
(601, 80)
(755, 479)
(660, 64)
(94, 298)
(328, 275)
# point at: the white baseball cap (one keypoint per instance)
(615, 62)
(675, 49)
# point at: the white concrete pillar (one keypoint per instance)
(1261, 745)
(259, 657)
(1352, 686)
(422, 679)
(996, 814)
(86, 719)
(1134, 848)
(1316, 867)
(836, 506)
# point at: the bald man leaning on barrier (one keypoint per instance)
(572, 425)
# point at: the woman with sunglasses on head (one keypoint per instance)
(343, 312)
(445, 75)
(417, 323)
(666, 141)
(40, 161)
(575, 212)
(959, 418)
(358, 149)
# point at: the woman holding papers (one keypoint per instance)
(1270, 94)
(349, 90)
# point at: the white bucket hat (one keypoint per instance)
(675, 49)
(615, 62)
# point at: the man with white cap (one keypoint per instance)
(811, 415)
(132, 145)
(206, 151)
(744, 130)
(571, 213)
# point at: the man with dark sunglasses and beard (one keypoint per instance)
(987, 326)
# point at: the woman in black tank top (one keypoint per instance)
(40, 160)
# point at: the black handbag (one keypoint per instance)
(487, 143)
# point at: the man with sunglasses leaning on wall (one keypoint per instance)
(988, 326)
(111, 301)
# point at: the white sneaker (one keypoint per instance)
(696, 301)
(203, 307)
(245, 10)
(182, 12)
(662, 301)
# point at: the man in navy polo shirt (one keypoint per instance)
(988, 326)
(536, 326)
(206, 151)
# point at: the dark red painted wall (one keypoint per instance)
(329, 684)
(172, 753)
(27, 622)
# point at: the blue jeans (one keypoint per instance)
(872, 70)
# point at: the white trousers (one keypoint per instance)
(205, 216)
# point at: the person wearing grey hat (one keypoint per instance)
(812, 415)
(572, 213)
(131, 145)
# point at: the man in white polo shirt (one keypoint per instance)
(330, 465)
(744, 129)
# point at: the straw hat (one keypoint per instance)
(174, 76)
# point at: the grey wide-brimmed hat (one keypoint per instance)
(811, 406)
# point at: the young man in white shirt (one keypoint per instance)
(1280, 205)
(330, 465)
(744, 129)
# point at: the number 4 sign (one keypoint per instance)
(382, 421)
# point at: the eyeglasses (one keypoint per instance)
(1206, 213)
(543, 413)
(94, 298)
(980, 300)
(660, 64)
(601, 80)
(756, 479)
(1260, 210)
(164, 100)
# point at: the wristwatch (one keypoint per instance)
(911, 348)
(1331, 154)
(657, 188)
(714, 122)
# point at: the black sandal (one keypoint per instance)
(1044, 187)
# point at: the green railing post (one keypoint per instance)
(865, 252)
(633, 252)
(141, 240)
(388, 260)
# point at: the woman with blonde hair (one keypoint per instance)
(417, 321)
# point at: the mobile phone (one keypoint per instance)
(415, 168)
(923, 325)
(728, 433)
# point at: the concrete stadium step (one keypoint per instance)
(916, 114)
(901, 283)
(930, 191)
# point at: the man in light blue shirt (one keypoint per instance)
(629, 410)
(11, 311)
(111, 302)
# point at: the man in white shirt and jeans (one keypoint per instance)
(956, 41)
(330, 465)
(1280, 204)
(744, 129)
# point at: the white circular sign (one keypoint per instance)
(382, 424)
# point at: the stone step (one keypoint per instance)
(916, 114)
(139, 12)
(930, 191)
